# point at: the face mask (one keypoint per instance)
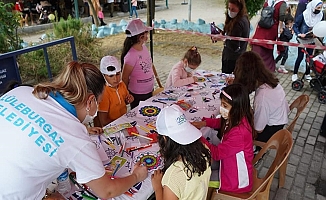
(89, 118)
(316, 12)
(188, 69)
(224, 112)
(232, 14)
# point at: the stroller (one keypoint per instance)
(318, 65)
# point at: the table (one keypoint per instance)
(199, 100)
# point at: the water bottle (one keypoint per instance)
(64, 185)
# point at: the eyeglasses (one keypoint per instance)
(110, 68)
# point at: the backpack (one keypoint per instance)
(267, 17)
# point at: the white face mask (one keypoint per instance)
(224, 112)
(89, 118)
(232, 14)
(188, 69)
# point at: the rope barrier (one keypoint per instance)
(250, 40)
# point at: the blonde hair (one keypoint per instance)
(75, 82)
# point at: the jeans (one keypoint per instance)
(299, 59)
(133, 9)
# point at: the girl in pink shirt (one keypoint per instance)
(180, 74)
(137, 72)
(101, 16)
(235, 152)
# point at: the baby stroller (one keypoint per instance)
(318, 65)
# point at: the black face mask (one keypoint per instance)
(316, 12)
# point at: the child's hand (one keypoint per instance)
(195, 78)
(94, 130)
(157, 179)
(189, 74)
(229, 80)
(129, 99)
(199, 125)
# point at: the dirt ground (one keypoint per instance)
(167, 44)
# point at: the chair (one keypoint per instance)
(160, 87)
(299, 104)
(282, 142)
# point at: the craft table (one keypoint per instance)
(198, 100)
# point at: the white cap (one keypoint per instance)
(172, 122)
(136, 27)
(110, 65)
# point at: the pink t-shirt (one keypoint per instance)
(141, 79)
(178, 76)
(100, 15)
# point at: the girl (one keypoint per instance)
(137, 72)
(236, 24)
(302, 25)
(186, 170)
(235, 152)
(180, 74)
(101, 16)
(270, 105)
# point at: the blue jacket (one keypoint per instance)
(300, 26)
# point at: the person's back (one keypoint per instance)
(30, 126)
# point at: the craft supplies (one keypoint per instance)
(132, 133)
(131, 149)
(158, 101)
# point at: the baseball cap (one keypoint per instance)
(110, 65)
(136, 27)
(172, 122)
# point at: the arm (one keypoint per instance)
(297, 24)
(106, 187)
(161, 192)
(177, 77)
(104, 118)
(261, 115)
(127, 69)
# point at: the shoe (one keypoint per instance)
(130, 17)
(294, 77)
(307, 77)
(282, 69)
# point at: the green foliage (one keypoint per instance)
(33, 66)
(253, 6)
(9, 22)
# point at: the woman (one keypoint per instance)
(236, 24)
(45, 126)
(266, 50)
(270, 105)
(137, 72)
(302, 25)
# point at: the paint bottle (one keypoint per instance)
(64, 185)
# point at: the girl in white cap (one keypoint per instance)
(186, 159)
(137, 72)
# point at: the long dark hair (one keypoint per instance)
(194, 155)
(128, 43)
(240, 108)
(230, 22)
(251, 72)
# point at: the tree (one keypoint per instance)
(253, 6)
(9, 22)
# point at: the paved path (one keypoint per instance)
(306, 171)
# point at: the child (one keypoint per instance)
(285, 36)
(101, 16)
(137, 72)
(186, 169)
(133, 8)
(235, 152)
(115, 95)
(180, 74)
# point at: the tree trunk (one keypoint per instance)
(93, 10)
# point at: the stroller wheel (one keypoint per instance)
(297, 85)
(322, 96)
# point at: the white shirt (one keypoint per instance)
(270, 107)
(39, 139)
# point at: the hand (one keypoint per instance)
(140, 170)
(157, 179)
(302, 35)
(199, 125)
(129, 99)
(54, 196)
(229, 80)
(195, 78)
(189, 74)
(95, 130)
